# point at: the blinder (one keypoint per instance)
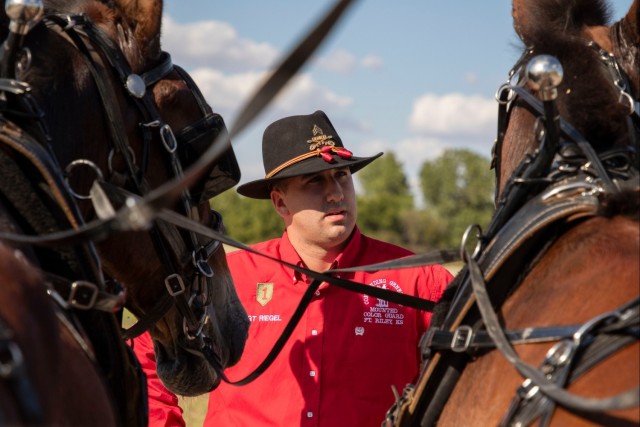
(193, 141)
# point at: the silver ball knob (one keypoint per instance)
(544, 73)
(23, 13)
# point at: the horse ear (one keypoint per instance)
(630, 27)
(630, 24)
(144, 17)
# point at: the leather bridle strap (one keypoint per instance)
(319, 278)
(628, 399)
(327, 276)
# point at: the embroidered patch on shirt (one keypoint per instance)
(264, 293)
(378, 310)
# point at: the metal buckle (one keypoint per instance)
(174, 284)
(461, 339)
(168, 138)
(199, 259)
(83, 295)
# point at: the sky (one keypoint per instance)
(412, 77)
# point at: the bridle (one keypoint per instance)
(555, 186)
(103, 58)
(84, 35)
(530, 176)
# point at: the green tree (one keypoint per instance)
(458, 188)
(384, 199)
(247, 220)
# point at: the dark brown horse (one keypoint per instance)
(44, 356)
(90, 88)
(542, 327)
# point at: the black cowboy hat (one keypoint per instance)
(300, 145)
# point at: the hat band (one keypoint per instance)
(324, 152)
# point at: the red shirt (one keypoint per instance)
(338, 367)
(163, 405)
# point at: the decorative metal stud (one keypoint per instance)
(135, 85)
(545, 75)
(23, 13)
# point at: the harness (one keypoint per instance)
(191, 146)
(23, 154)
(560, 184)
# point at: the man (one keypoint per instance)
(349, 349)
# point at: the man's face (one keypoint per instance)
(318, 208)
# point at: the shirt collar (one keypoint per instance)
(349, 254)
(346, 258)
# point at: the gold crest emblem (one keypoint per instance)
(319, 139)
(264, 293)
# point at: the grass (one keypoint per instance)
(195, 409)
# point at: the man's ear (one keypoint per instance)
(279, 203)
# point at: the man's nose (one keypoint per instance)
(334, 191)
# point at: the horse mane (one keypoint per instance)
(625, 203)
(138, 34)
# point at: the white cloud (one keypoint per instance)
(226, 92)
(453, 114)
(215, 44)
(471, 78)
(338, 61)
(344, 62)
(303, 93)
(372, 62)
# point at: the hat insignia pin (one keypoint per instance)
(319, 139)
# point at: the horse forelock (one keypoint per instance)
(534, 20)
(587, 98)
(118, 25)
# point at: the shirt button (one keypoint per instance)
(317, 293)
(309, 414)
(312, 373)
(314, 332)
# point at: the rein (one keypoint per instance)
(138, 213)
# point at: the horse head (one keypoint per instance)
(600, 86)
(114, 109)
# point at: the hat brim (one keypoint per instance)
(261, 188)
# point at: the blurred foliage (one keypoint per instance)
(457, 188)
(385, 199)
(247, 220)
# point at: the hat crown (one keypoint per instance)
(301, 145)
(294, 136)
